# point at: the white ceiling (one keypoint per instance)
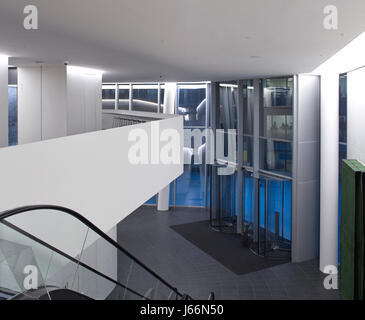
(184, 40)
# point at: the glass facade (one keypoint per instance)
(145, 98)
(108, 97)
(192, 103)
(13, 115)
(123, 103)
(276, 126)
(13, 106)
(228, 100)
(248, 118)
(342, 144)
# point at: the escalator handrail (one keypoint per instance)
(68, 257)
(13, 212)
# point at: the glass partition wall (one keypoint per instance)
(255, 199)
(253, 123)
(192, 102)
(276, 126)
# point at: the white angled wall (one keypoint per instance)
(356, 115)
(3, 101)
(84, 107)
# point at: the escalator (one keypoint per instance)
(54, 253)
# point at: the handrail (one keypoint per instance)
(68, 257)
(16, 211)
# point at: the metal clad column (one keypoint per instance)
(329, 170)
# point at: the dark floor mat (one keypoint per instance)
(227, 249)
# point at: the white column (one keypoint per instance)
(3, 101)
(329, 169)
(163, 199)
(169, 108)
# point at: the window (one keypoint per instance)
(276, 125)
(192, 104)
(145, 98)
(123, 103)
(13, 106)
(13, 115)
(108, 96)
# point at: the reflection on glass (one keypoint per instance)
(13, 115)
(248, 114)
(123, 97)
(192, 104)
(342, 143)
(278, 92)
(276, 125)
(145, 98)
(190, 187)
(268, 230)
(228, 105)
(108, 96)
(276, 156)
(343, 108)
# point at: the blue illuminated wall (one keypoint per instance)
(276, 199)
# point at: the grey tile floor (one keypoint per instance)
(146, 233)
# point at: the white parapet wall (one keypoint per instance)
(89, 173)
(92, 174)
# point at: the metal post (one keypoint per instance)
(130, 97)
(159, 98)
(282, 208)
(240, 129)
(266, 214)
(116, 106)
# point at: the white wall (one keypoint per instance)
(90, 173)
(3, 101)
(29, 105)
(84, 100)
(42, 102)
(349, 58)
(55, 101)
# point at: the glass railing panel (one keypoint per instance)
(25, 263)
(85, 262)
(56, 228)
(116, 264)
